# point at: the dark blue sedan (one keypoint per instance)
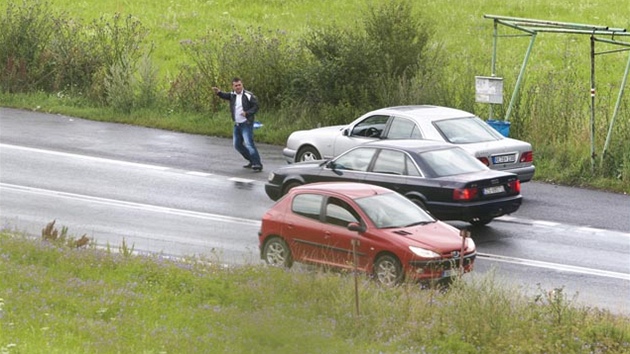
(442, 178)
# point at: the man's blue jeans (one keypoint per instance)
(243, 138)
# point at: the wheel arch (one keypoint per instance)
(289, 180)
(417, 196)
(272, 237)
(303, 147)
(383, 253)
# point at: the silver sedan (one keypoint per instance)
(416, 122)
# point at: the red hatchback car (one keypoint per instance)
(339, 223)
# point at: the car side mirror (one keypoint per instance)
(355, 226)
(345, 132)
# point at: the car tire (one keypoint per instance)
(388, 270)
(290, 186)
(307, 153)
(480, 221)
(419, 203)
(277, 253)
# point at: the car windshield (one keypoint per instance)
(449, 162)
(392, 210)
(466, 130)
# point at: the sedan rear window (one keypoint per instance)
(449, 162)
(466, 130)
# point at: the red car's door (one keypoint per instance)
(339, 251)
(303, 229)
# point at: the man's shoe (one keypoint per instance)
(257, 168)
(249, 165)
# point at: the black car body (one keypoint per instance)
(442, 178)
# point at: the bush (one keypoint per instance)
(25, 32)
(371, 64)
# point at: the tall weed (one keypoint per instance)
(25, 32)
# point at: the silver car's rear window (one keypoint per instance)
(466, 130)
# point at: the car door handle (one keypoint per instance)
(327, 234)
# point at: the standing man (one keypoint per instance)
(243, 106)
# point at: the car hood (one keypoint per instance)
(301, 166)
(438, 237)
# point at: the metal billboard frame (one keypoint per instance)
(531, 28)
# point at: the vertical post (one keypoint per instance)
(592, 103)
(612, 121)
(493, 69)
(464, 234)
(355, 262)
(520, 77)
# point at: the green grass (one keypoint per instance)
(555, 91)
(460, 26)
(85, 300)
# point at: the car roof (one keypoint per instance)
(416, 145)
(351, 189)
(428, 111)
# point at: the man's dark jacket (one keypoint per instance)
(249, 101)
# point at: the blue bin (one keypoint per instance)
(501, 126)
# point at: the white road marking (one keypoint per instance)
(241, 180)
(131, 205)
(555, 266)
(222, 218)
(199, 174)
(85, 157)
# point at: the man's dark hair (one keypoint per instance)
(236, 79)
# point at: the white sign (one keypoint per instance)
(489, 89)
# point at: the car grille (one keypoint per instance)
(443, 263)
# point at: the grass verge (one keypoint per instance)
(70, 299)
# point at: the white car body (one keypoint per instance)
(416, 122)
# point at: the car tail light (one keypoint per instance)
(527, 156)
(515, 186)
(484, 160)
(464, 193)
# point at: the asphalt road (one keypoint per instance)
(185, 194)
(542, 201)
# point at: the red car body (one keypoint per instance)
(307, 225)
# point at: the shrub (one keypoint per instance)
(24, 37)
(380, 62)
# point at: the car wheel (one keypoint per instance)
(308, 153)
(290, 186)
(388, 271)
(419, 203)
(277, 253)
(480, 221)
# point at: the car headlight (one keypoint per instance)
(424, 253)
(271, 176)
(470, 244)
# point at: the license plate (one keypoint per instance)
(449, 273)
(493, 190)
(504, 159)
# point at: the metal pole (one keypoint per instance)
(520, 77)
(612, 122)
(493, 69)
(592, 104)
(355, 262)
